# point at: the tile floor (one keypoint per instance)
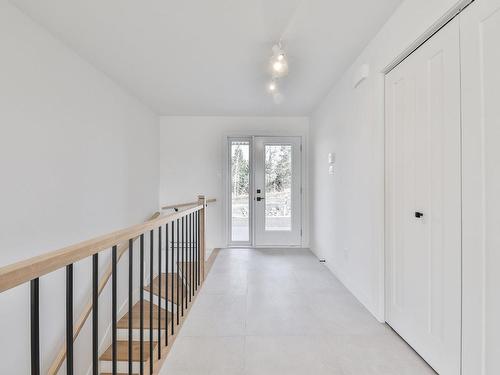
(273, 312)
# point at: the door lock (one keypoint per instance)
(418, 215)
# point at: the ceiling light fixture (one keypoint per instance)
(272, 87)
(278, 63)
(278, 68)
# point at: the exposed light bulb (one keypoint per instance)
(272, 87)
(278, 66)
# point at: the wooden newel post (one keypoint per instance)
(202, 201)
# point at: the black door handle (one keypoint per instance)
(259, 199)
(418, 215)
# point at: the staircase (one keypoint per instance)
(179, 295)
(170, 271)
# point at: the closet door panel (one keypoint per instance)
(480, 49)
(424, 201)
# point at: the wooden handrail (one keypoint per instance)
(187, 204)
(26, 270)
(61, 354)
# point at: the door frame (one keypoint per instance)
(304, 201)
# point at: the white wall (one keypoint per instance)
(78, 158)
(192, 160)
(347, 218)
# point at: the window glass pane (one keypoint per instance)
(278, 172)
(240, 188)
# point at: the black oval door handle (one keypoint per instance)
(418, 215)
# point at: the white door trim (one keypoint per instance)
(433, 29)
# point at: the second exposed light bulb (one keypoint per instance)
(272, 86)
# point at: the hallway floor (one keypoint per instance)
(272, 312)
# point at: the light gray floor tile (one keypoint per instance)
(205, 354)
(273, 312)
(383, 354)
(285, 355)
(229, 282)
(280, 311)
(342, 314)
(217, 315)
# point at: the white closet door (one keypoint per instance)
(423, 177)
(480, 35)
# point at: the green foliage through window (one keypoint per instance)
(240, 169)
(278, 168)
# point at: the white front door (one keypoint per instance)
(423, 250)
(264, 205)
(277, 191)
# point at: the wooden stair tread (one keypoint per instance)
(136, 317)
(122, 351)
(189, 267)
(172, 278)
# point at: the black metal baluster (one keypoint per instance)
(159, 292)
(192, 252)
(130, 286)
(177, 272)
(186, 267)
(172, 286)
(166, 284)
(141, 302)
(195, 253)
(188, 259)
(151, 287)
(113, 307)
(198, 246)
(182, 267)
(95, 314)
(69, 319)
(35, 326)
(196, 249)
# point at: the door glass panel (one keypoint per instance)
(240, 188)
(278, 179)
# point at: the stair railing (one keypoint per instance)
(177, 206)
(184, 234)
(61, 354)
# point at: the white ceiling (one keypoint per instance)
(209, 57)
